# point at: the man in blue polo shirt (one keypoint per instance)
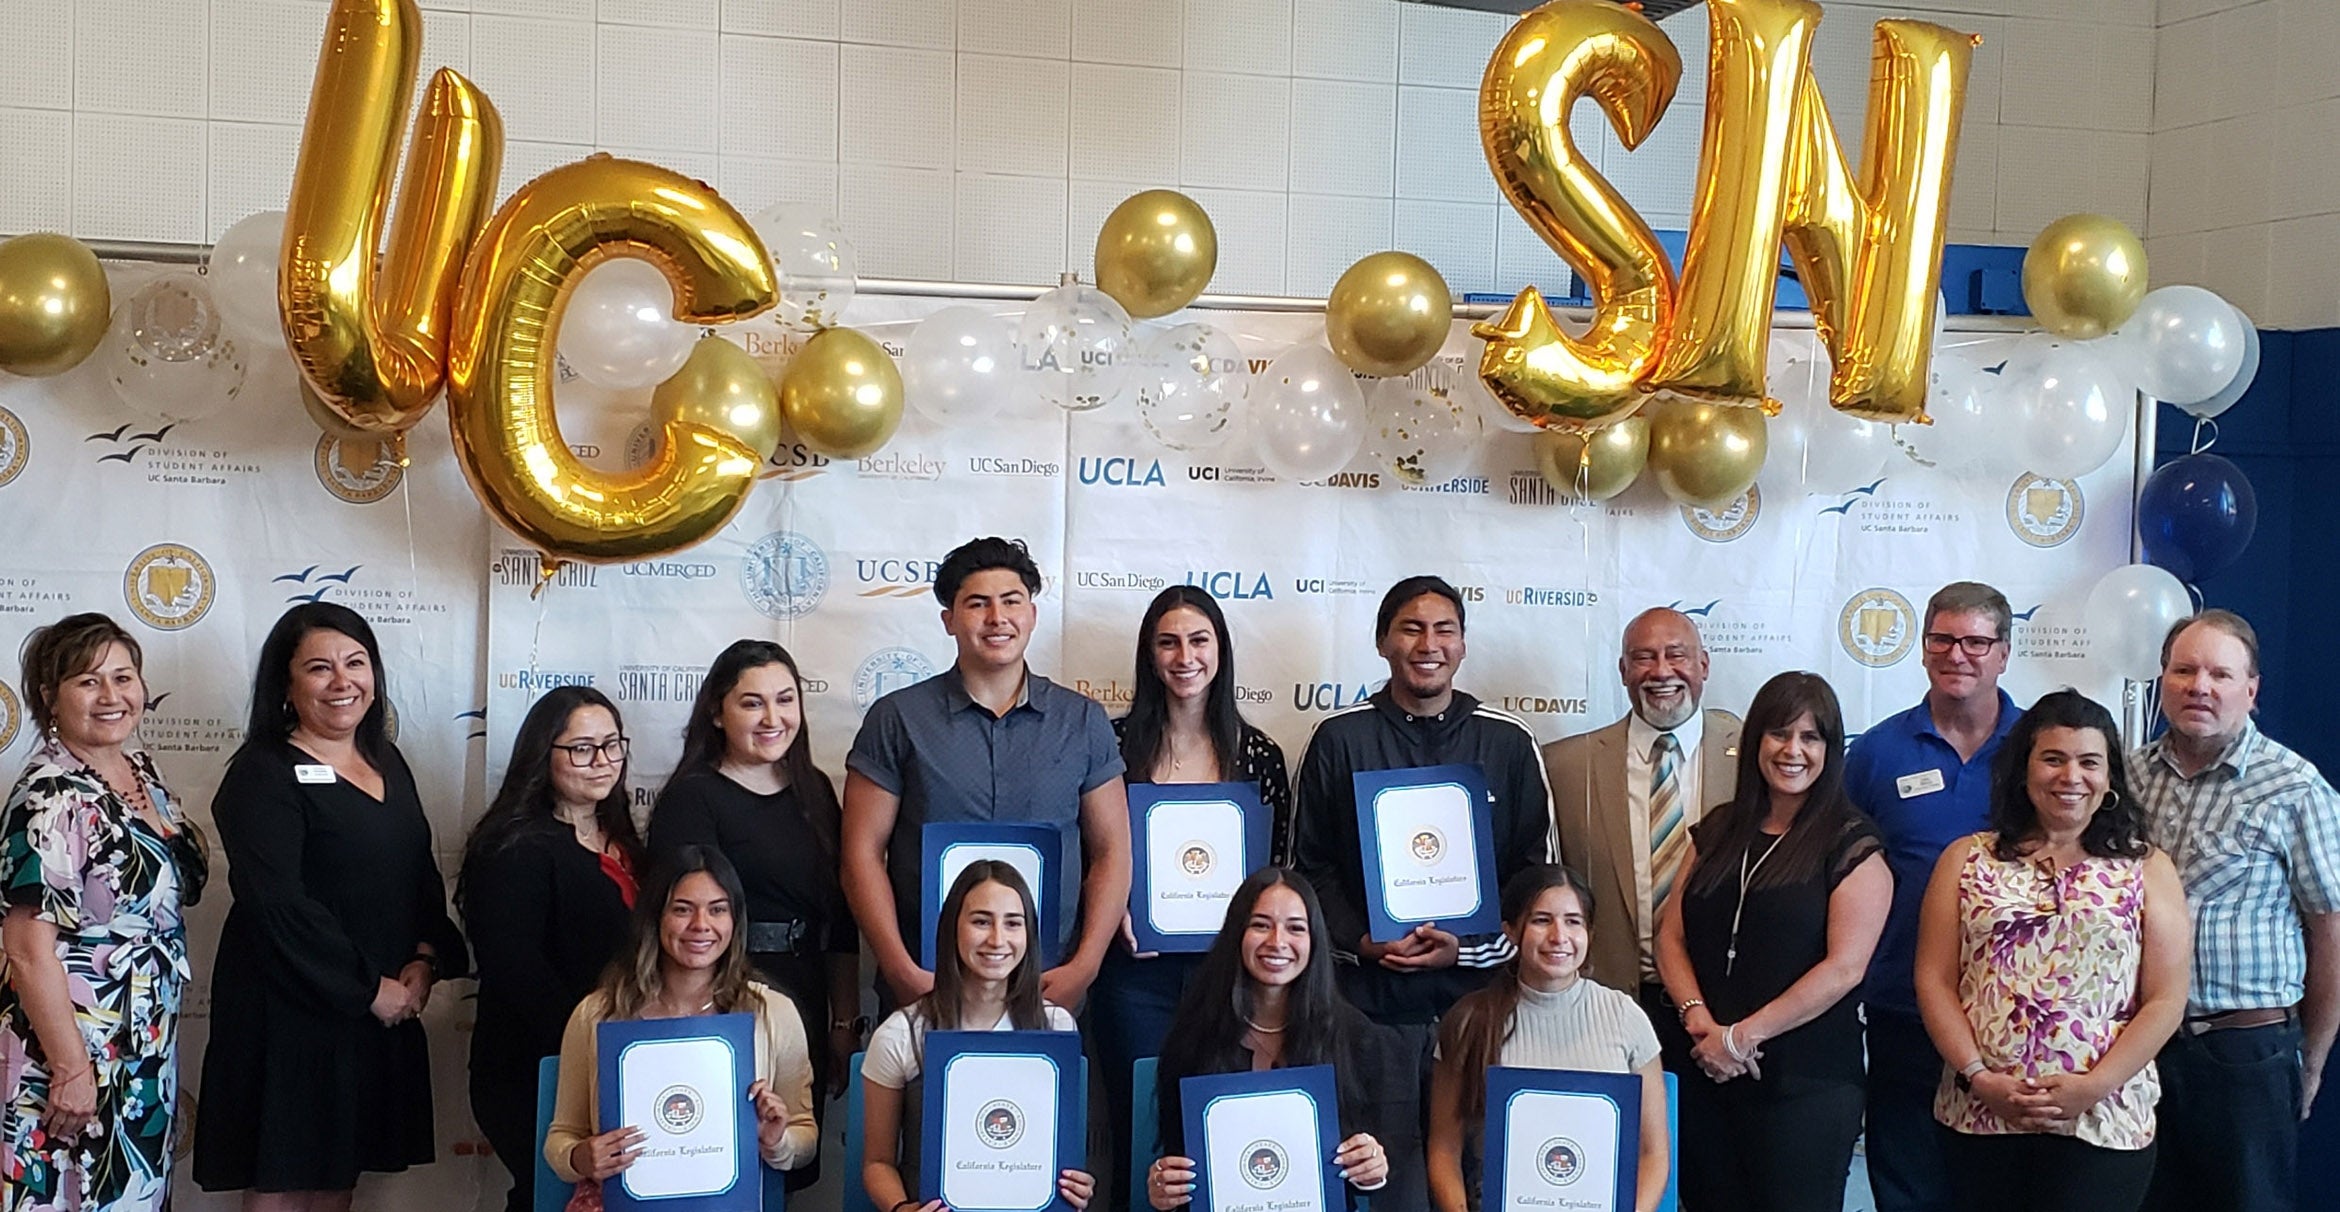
(1924, 775)
(986, 740)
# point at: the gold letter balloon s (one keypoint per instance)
(374, 353)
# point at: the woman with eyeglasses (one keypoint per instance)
(549, 877)
(746, 786)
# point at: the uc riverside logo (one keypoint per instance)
(1263, 1164)
(2043, 511)
(11, 717)
(1878, 627)
(169, 587)
(1560, 1161)
(1729, 522)
(15, 447)
(1000, 1123)
(784, 575)
(680, 1109)
(337, 470)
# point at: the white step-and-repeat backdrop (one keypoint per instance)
(198, 534)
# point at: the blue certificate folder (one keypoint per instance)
(684, 1083)
(1557, 1138)
(1194, 844)
(1033, 850)
(1005, 1110)
(1427, 839)
(1264, 1140)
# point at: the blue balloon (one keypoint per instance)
(2196, 515)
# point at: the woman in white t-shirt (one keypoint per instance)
(1546, 1015)
(985, 979)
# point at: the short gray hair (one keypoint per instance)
(1963, 597)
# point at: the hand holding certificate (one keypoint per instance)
(1264, 1142)
(682, 1086)
(1005, 1114)
(1428, 849)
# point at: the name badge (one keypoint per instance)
(1925, 782)
(309, 772)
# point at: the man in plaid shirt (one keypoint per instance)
(2255, 833)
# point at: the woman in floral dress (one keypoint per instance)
(96, 953)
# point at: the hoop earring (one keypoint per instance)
(2112, 799)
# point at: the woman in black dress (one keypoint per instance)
(1762, 946)
(548, 885)
(317, 1070)
(746, 785)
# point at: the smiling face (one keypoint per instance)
(1954, 674)
(1186, 653)
(697, 927)
(992, 619)
(590, 725)
(761, 716)
(99, 707)
(1790, 757)
(1424, 646)
(1552, 939)
(1276, 942)
(993, 934)
(332, 684)
(1664, 668)
(2208, 686)
(2066, 777)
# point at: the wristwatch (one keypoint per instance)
(858, 1025)
(1964, 1078)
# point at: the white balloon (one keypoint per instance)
(605, 427)
(1812, 447)
(1419, 431)
(2232, 393)
(167, 354)
(619, 330)
(2130, 612)
(242, 274)
(1076, 345)
(960, 366)
(1966, 438)
(2071, 406)
(1308, 415)
(1192, 380)
(2187, 344)
(813, 264)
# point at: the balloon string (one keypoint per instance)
(2202, 443)
(547, 568)
(1583, 492)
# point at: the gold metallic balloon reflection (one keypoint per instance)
(1595, 466)
(1704, 454)
(721, 387)
(2084, 276)
(842, 394)
(1156, 252)
(54, 304)
(1388, 315)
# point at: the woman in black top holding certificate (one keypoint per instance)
(1264, 999)
(1182, 727)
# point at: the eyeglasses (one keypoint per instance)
(1939, 642)
(612, 751)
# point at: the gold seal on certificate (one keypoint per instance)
(1427, 852)
(1196, 843)
(685, 1093)
(994, 1103)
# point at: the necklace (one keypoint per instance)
(1262, 1030)
(1746, 873)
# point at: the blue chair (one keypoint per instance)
(1143, 1128)
(854, 1196)
(552, 1194)
(1673, 1145)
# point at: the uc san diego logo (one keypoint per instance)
(11, 717)
(680, 1109)
(1263, 1164)
(1878, 627)
(784, 575)
(169, 587)
(2043, 511)
(1729, 522)
(1194, 858)
(1000, 1123)
(887, 670)
(1427, 845)
(15, 447)
(1560, 1161)
(343, 470)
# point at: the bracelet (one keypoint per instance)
(1972, 1067)
(901, 1204)
(1682, 1011)
(1731, 1044)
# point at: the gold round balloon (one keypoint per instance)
(1704, 454)
(2084, 276)
(842, 394)
(54, 305)
(1156, 252)
(1595, 466)
(721, 387)
(1388, 315)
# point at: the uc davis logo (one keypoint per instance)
(1878, 627)
(2043, 511)
(1729, 522)
(358, 473)
(887, 670)
(169, 587)
(784, 575)
(15, 447)
(11, 717)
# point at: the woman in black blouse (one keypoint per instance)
(548, 882)
(1182, 727)
(317, 1070)
(746, 785)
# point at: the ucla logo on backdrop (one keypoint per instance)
(15, 447)
(784, 575)
(1263, 1164)
(886, 671)
(1329, 696)
(1560, 1161)
(1122, 472)
(680, 1108)
(1000, 1123)
(1729, 522)
(2044, 511)
(896, 577)
(169, 587)
(1878, 627)
(11, 717)
(337, 473)
(1232, 586)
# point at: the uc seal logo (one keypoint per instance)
(1263, 1164)
(1878, 627)
(784, 575)
(1427, 846)
(680, 1109)
(1000, 1123)
(1560, 1161)
(1729, 522)
(886, 671)
(15, 447)
(339, 470)
(11, 717)
(2043, 511)
(169, 587)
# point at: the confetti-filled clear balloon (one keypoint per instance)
(1419, 430)
(959, 366)
(812, 262)
(1191, 383)
(1076, 346)
(167, 353)
(242, 275)
(618, 329)
(1308, 415)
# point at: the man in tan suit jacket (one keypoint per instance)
(1602, 782)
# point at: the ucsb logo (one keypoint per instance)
(1328, 696)
(1121, 472)
(1239, 586)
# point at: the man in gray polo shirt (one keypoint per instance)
(986, 740)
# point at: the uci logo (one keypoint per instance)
(1121, 472)
(1238, 586)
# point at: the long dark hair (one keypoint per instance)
(704, 743)
(636, 977)
(1206, 1035)
(940, 1009)
(273, 718)
(1826, 808)
(1471, 1037)
(1147, 730)
(2118, 828)
(525, 801)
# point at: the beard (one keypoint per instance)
(1665, 718)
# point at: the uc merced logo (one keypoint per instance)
(784, 575)
(1263, 1164)
(1878, 627)
(346, 473)
(1729, 522)
(11, 717)
(1560, 1161)
(15, 447)
(169, 587)
(680, 1109)
(887, 670)
(2043, 511)
(1000, 1123)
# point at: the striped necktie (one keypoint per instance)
(1667, 837)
